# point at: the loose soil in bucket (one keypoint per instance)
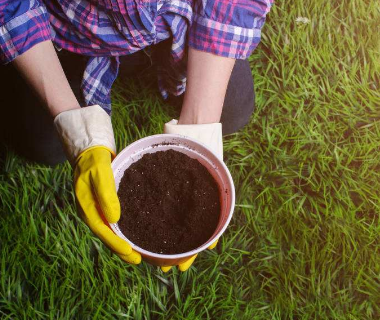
(170, 203)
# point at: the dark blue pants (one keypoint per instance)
(26, 127)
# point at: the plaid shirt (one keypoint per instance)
(106, 29)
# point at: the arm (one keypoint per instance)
(43, 71)
(86, 133)
(25, 40)
(207, 81)
(87, 136)
(222, 31)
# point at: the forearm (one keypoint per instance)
(42, 70)
(207, 80)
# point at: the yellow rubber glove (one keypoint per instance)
(96, 195)
(87, 137)
(208, 134)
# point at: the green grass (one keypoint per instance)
(304, 242)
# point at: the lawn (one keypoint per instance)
(304, 242)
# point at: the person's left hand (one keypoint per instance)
(208, 134)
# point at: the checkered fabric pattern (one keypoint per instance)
(103, 30)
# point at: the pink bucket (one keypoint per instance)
(193, 149)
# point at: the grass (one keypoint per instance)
(304, 242)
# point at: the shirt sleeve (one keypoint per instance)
(228, 28)
(23, 24)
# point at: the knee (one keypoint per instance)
(239, 102)
(27, 129)
(41, 142)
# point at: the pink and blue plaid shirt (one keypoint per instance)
(103, 30)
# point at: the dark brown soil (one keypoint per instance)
(170, 203)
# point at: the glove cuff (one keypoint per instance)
(209, 134)
(84, 128)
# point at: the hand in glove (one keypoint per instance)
(88, 139)
(211, 136)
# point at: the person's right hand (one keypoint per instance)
(89, 143)
(210, 135)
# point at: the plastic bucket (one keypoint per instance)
(193, 149)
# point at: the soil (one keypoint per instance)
(170, 203)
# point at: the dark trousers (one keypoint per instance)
(27, 128)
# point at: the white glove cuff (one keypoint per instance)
(209, 134)
(84, 128)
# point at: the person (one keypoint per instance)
(200, 49)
